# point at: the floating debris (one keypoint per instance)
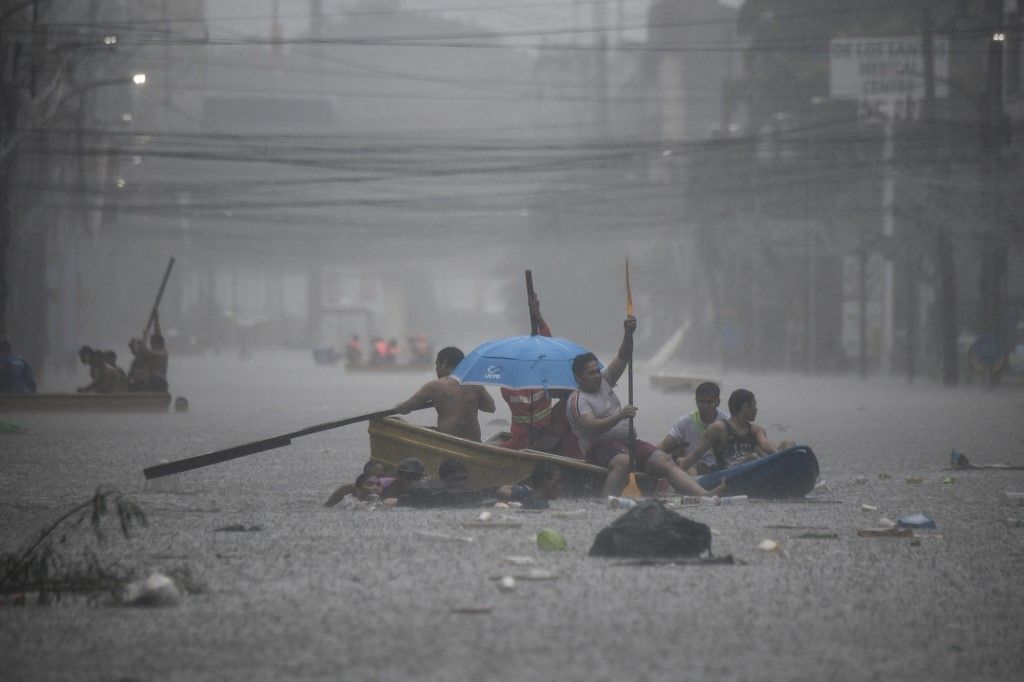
(443, 537)
(885, 532)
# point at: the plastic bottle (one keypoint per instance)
(621, 502)
(733, 500)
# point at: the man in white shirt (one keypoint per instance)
(601, 425)
(688, 431)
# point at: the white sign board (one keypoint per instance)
(878, 69)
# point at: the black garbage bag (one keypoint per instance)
(651, 530)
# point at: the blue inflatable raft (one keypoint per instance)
(789, 473)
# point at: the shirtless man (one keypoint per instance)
(456, 404)
(737, 439)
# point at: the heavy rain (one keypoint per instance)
(275, 214)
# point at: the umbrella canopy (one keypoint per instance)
(521, 362)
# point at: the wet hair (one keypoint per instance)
(580, 361)
(85, 351)
(738, 399)
(542, 473)
(708, 389)
(363, 478)
(450, 356)
(110, 357)
(373, 465)
(450, 467)
(5, 346)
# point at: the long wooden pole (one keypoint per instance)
(159, 295)
(534, 323)
(274, 442)
(629, 366)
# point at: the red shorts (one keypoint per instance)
(602, 451)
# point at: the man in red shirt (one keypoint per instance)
(536, 423)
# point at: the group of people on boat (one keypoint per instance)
(386, 352)
(147, 371)
(590, 423)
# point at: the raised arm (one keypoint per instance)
(618, 365)
(542, 327)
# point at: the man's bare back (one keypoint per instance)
(456, 404)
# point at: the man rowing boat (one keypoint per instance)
(457, 405)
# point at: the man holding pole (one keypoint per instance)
(148, 371)
(603, 426)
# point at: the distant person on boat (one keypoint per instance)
(379, 350)
(148, 371)
(544, 487)
(536, 423)
(601, 424)
(456, 405)
(420, 349)
(354, 351)
(15, 372)
(687, 432)
(122, 384)
(737, 439)
(103, 377)
(393, 350)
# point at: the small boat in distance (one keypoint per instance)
(85, 402)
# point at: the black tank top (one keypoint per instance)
(737, 447)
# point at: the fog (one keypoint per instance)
(320, 169)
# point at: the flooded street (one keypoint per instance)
(337, 594)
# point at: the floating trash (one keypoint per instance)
(885, 532)
(156, 590)
(915, 521)
(507, 583)
(551, 540)
(868, 508)
(769, 546)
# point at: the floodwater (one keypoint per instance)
(335, 594)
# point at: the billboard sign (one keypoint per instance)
(886, 69)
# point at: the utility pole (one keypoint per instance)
(994, 131)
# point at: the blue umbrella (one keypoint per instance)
(521, 362)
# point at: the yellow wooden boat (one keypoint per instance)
(392, 439)
(85, 402)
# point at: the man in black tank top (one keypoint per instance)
(737, 439)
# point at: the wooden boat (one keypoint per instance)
(84, 402)
(667, 381)
(392, 439)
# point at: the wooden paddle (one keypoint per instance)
(629, 369)
(159, 295)
(199, 461)
(534, 323)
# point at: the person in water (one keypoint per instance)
(457, 405)
(543, 487)
(737, 439)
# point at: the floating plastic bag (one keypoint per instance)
(651, 530)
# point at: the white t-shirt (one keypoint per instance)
(601, 404)
(689, 430)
